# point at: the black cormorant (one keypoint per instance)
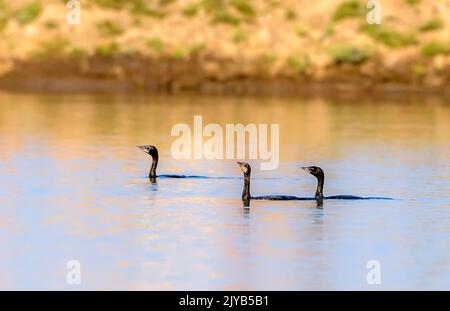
(319, 174)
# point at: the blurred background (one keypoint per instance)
(218, 46)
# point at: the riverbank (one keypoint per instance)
(219, 47)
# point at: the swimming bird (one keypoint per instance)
(153, 152)
(320, 175)
(246, 196)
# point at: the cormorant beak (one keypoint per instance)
(143, 148)
(305, 169)
(240, 163)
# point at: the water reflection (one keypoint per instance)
(74, 186)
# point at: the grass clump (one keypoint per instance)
(348, 9)
(180, 53)
(190, 10)
(240, 36)
(435, 48)
(53, 48)
(350, 55)
(223, 17)
(432, 24)
(156, 44)
(299, 64)
(107, 28)
(290, 14)
(269, 58)
(418, 70)
(388, 37)
(3, 15)
(28, 13)
(107, 50)
(197, 49)
(219, 12)
(244, 7)
(413, 2)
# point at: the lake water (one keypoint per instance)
(73, 186)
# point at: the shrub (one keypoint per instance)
(244, 7)
(53, 48)
(299, 64)
(388, 37)
(29, 12)
(240, 36)
(348, 9)
(435, 48)
(432, 24)
(155, 44)
(107, 50)
(350, 55)
(190, 10)
(108, 29)
(290, 14)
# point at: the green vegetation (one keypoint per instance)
(107, 28)
(134, 6)
(223, 17)
(190, 10)
(388, 37)
(180, 53)
(432, 24)
(197, 49)
(299, 64)
(350, 55)
(329, 30)
(435, 48)
(290, 14)
(3, 15)
(219, 12)
(52, 48)
(269, 58)
(418, 70)
(77, 52)
(240, 36)
(348, 9)
(156, 44)
(51, 24)
(108, 49)
(244, 7)
(301, 32)
(413, 2)
(29, 12)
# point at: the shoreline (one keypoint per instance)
(126, 74)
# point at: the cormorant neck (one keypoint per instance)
(319, 190)
(152, 173)
(246, 192)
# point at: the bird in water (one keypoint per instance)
(319, 197)
(320, 175)
(153, 152)
(246, 196)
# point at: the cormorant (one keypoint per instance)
(246, 196)
(319, 174)
(153, 151)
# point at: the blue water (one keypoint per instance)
(73, 186)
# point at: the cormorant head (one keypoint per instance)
(314, 170)
(245, 167)
(151, 150)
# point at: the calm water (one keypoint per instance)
(73, 186)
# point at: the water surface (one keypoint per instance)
(73, 186)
